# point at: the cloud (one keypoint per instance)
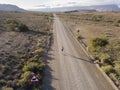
(57, 3)
(64, 3)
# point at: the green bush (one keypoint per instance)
(107, 69)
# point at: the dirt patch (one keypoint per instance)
(93, 24)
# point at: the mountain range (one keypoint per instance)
(9, 7)
(110, 7)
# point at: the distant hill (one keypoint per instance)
(105, 7)
(9, 7)
(111, 7)
(82, 10)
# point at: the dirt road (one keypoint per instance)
(71, 69)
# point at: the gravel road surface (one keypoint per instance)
(70, 69)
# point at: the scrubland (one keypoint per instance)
(24, 41)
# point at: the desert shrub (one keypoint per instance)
(2, 82)
(113, 49)
(118, 21)
(5, 69)
(99, 42)
(117, 69)
(14, 25)
(12, 21)
(43, 32)
(33, 67)
(7, 88)
(39, 51)
(107, 69)
(105, 58)
(22, 27)
(39, 44)
(24, 82)
(50, 33)
(79, 36)
(1, 74)
(35, 58)
(9, 77)
(97, 18)
(96, 43)
(25, 77)
(113, 77)
(116, 24)
(96, 61)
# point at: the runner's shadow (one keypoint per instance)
(76, 57)
(48, 77)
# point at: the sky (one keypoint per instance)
(34, 4)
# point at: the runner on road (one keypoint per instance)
(62, 48)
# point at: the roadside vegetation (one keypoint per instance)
(107, 54)
(99, 32)
(25, 39)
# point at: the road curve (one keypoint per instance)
(71, 69)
